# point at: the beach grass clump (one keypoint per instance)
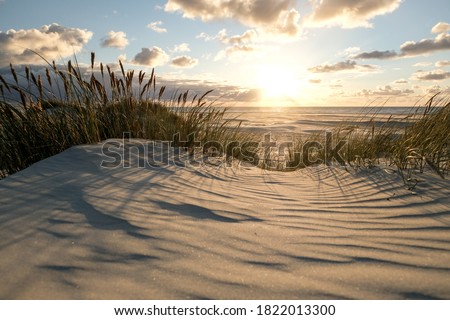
(368, 144)
(427, 140)
(418, 140)
(42, 114)
(410, 143)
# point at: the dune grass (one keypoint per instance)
(41, 116)
(409, 144)
(420, 139)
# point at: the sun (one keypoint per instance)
(278, 82)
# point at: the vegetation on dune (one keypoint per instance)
(420, 139)
(43, 114)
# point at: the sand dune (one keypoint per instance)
(71, 229)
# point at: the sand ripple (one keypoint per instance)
(70, 229)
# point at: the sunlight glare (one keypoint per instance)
(277, 82)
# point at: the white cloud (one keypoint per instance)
(401, 81)
(204, 35)
(183, 47)
(348, 65)
(441, 27)
(435, 75)
(288, 23)
(115, 40)
(349, 13)
(184, 62)
(422, 64)
(151, 57)
(237, 52)
(247, 37)
(238, 46)
(51, 41)
(222, 36)
(443, 63)
(351, 51)
(274, 17)
(155, 26)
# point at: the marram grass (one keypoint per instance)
(46, 113)
(42, 115)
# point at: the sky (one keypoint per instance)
(251, 52)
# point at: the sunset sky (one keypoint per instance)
(252, 52)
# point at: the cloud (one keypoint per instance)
(381, 55)
(184, 47)
(288, 23)
(425, 46)
(236, 52)
(115, 40)
(435, 75)
(386, 91)
(412, 48)
(247, 37)
(441, 27)
(274, 17)
(351, 51)
(151, 57)
(51, 41)
(433, 89)
(401, 81)
(349, 13)
(227, 93)
(443, 63)
(422, 64)
(348, 65)
(184, 62)
(155, 26)
(239, 46)
(243, 95)
(204, 35)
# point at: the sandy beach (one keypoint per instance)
(71, 229)
(265, 155)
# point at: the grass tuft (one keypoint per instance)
(39, 120)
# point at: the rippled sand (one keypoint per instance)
(70, 229)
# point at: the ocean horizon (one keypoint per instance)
(313, 119)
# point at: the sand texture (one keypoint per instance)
(70, 229)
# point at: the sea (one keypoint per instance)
(313, 119)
